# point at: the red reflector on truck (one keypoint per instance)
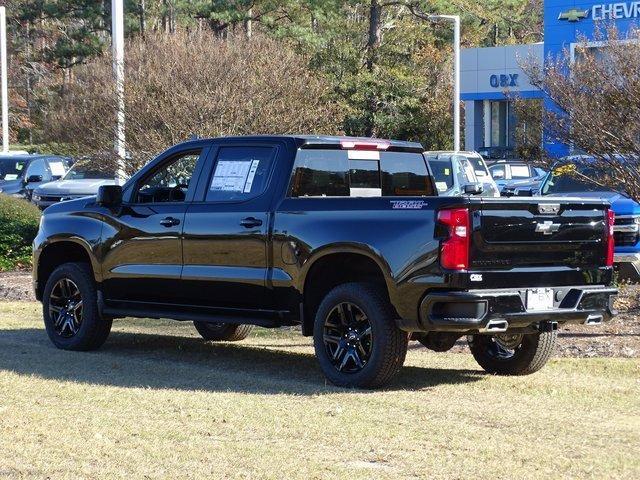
(454, 251)
(364, 145)
(611, 220)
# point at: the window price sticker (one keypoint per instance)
(234, 176)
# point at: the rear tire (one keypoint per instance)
(222, 332)
(505, 355)
(70, 309)
(356, 339)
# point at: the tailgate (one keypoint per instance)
(514, 232)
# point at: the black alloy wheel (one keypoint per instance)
(356, 338)
(65, 308)
(513, 354)
(70, 310)
(347, 338)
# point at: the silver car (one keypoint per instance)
(454, 170)
(83, 180)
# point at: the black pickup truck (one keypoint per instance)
(345, 237)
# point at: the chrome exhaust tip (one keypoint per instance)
(593, 320)
(495, 326)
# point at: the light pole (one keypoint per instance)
(456, 74)
(117, 46)
(3, 73)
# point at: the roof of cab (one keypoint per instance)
(317, 141)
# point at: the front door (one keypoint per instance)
(226, 229)
(143, 240)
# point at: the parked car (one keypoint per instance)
(83, 180)
(512, 176)
(561, 183)
(275, 230)
(453, 170)
(21, 173)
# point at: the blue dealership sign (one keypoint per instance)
(504, 81)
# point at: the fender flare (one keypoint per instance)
(352, 248)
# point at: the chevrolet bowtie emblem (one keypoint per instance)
(573, 15)
(547, 228)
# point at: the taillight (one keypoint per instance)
(454, 251)
(611, 220)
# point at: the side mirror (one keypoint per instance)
(109, 196)
(34, 179)
(473, 189)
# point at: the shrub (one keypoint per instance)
(19, 221)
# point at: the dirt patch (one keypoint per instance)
(618, 338)
(16, 286)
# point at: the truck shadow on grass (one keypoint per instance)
(141, 360)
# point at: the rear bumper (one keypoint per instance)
(628, 266)
(482, 310)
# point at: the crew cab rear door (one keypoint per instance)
(227, 227)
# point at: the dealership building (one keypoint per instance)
(491, 76)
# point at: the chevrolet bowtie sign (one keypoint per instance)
(604, 11)
(573, 15)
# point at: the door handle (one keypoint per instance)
(169, 222)
(250, 222)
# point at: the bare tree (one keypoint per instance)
(186, 85)
(596, 98)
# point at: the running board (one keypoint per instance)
(193, 317)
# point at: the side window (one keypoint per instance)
(405, 174)
(520, 171)
(170, 182)
(38, 167)
(240, 173)
(442, 170)
(498, 172)
(57, 167)
(320, 173)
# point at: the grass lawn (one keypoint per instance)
(157, 402)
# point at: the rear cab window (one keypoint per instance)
(359, 173)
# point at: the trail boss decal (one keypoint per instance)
(408, 204)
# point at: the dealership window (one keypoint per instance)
(499, 123)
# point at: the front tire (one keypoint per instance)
(70, 309)
(356, 339)
(509, 354)
(222, 332)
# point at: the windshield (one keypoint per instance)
(89, 172)
(564, 182)
(11, 168)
